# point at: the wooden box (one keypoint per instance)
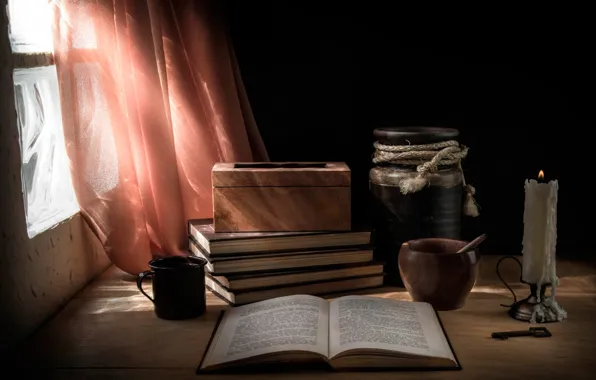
(278, 196)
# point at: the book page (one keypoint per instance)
(364, 322)
(298, 322)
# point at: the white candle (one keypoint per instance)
(540, 232)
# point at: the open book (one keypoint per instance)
(351, 332)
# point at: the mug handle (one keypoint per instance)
(505, 283)
(140, 279)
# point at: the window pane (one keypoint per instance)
(47, 186)
(30, 26)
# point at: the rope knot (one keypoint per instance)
(427, 158)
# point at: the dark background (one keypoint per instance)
(321, 76)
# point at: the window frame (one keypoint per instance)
(31, 60)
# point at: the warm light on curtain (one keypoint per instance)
(151, 98)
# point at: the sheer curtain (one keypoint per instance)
(151, 98)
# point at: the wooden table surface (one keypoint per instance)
(109, 331)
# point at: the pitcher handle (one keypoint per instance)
(505, 283)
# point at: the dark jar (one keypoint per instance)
(434, 211)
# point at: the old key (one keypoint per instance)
(537, 332)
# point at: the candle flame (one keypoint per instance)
(541, 175)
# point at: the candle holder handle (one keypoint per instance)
(504, 282)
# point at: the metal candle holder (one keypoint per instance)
(525, 310)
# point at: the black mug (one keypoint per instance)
(178, 286)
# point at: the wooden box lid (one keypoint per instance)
(308, 174)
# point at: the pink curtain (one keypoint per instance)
(151, 99)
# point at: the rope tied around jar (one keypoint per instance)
(427, 158)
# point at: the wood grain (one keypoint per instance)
(262, 209)
(281, 198)
(433, 273)
(110, 331)
(333, 174)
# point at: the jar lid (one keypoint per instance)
(414, 135)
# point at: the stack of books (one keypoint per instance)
(245, 267)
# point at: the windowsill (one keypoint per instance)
(48, 225)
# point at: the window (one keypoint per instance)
(45, 172)
(30, 26)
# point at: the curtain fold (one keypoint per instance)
(152, 97)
